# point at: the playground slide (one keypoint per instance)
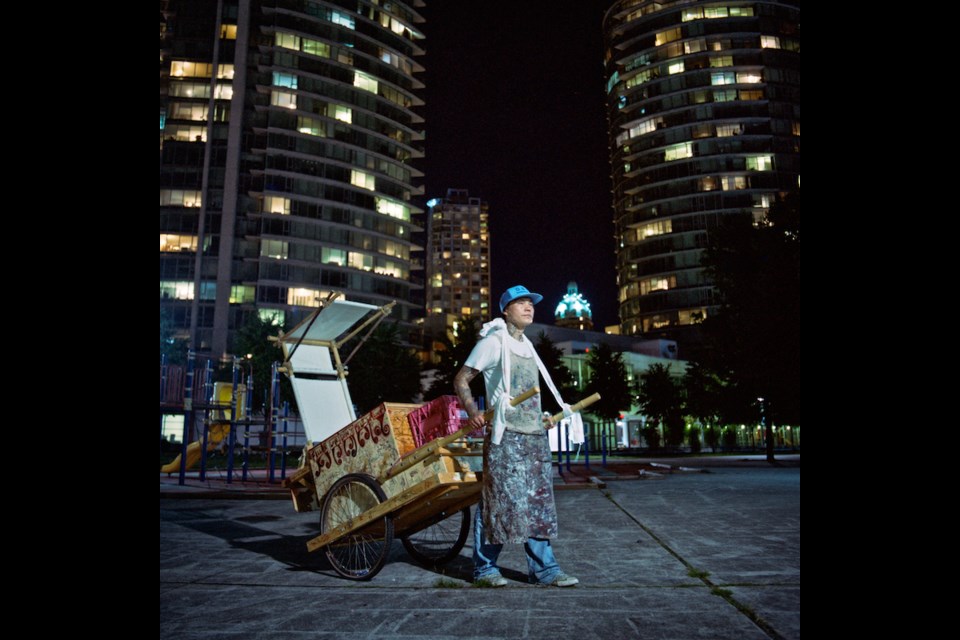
(193, 457)
(217, 434)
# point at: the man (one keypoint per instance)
(517, 504)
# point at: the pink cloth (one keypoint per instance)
(435, 419)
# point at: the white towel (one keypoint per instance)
(500, 397)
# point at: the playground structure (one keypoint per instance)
(219, 417)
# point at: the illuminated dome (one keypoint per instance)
(574, 310)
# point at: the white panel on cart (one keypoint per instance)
(324, 407)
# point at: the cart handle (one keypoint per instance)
(574, 408)
(430, 449)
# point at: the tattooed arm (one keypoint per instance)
(461, 384)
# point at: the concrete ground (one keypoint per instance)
(689, 555)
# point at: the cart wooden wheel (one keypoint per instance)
(441, 540)
(360, 554)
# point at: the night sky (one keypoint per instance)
(515, 114)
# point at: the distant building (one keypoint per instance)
(573, 310)
(703, 104)
(458, 261)
(287, 133)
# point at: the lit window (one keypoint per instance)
(179, 198)
(311, 126)
(721, 61)
(716, 12)
(285, 99)
(394, 210)
(725, 130)
(271, 316)
(759, 163)
(691, 316)
(655, 228)
(657, 284)
(316, 48)
(208, 290)
(242, 293)
(177, 242)
(362, 180)
(185, 69)
(300, 297)
(361, 261)
(396, 26)
(225, 71)
(752, 94)
(185, 89)
(274, 249)
(641, 127)
(177, 290)
(658, 321)
(725, 95)
(762, 200)
(795, 128)
(286, 40)
(739, 12)
(287, 80)
(691, 14)
(733, 183)
(365, 81)
(678, 151)
(612, 82)
(695, 46)
(676, 67)
(707, 183)
(722, 78)
(436, 281)
(342, 19)
(640, 78)
(769, 42)
(333, 256)
(276, 204)
(749, 77)
(340, 112)
(667, 36)
(228, 32)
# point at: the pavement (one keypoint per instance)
(712, 551)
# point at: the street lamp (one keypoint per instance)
(250, 379)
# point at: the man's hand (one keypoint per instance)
(477, 421)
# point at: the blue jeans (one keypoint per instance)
(541, 564)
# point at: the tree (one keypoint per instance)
(252, 345)
(382, 370)
(551, 355)
(703, 393)
(172, 346)
(608, 377)
(754, 339)
(452, 356)
(660, 399)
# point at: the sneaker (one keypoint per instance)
(562, 580)
(495, 580)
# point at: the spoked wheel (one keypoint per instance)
(359, 555)
(440, 541)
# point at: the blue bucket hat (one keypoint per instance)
(519, 291)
